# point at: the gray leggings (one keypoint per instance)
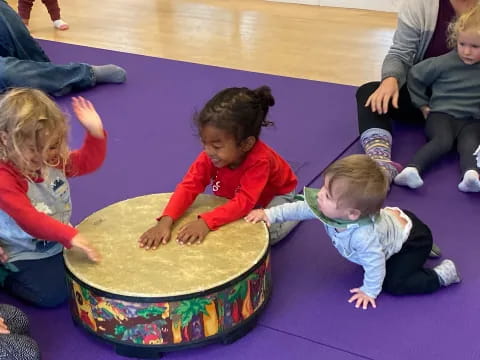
(443, 131)
(279, 230)
(17, 345)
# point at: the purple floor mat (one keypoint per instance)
(59, 339)
(312, 280)
(151, 144)
(152, 141)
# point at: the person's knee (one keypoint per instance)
(19, 347)
(364, 91)
(53, 298)
(442, 145)
(393, 286)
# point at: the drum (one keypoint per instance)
(149, 302)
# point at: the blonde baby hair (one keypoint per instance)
(469, 21)
(31, 115)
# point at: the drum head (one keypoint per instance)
(172, 269)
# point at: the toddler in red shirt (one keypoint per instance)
(35, 204)
(237, 164)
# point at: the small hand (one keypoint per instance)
(88, 116)
(83, 244)
(361, 299)
(380, 98)
(3, 255)
(157, 235)
(425, 109)
(3, 327)
(257, 215)
(193, 232)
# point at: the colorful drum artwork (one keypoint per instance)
(175, 297)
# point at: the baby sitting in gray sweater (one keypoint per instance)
(452, 110)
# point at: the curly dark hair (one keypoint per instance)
(240, 111)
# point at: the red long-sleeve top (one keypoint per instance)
(261, 176)
(15, 202)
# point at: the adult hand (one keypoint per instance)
(386, 92)
(157, 235)
(88, 116)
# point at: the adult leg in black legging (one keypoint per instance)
(375, 129)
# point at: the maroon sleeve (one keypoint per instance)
(88, 158)
(15, 202)
(252, 184)
(193, 183)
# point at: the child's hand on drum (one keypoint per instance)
(193, 232)
(83, 244)
(157, 235)
(257, 215)
(88, 116)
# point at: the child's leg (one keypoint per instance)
(24, 10)
(18, 347)
(375, 129)
(15, 319)
(278, 231)
(405, 270)
(40, 282)
(54, 11)
(441, 134)
(467, 142)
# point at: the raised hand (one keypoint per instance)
(88, 116)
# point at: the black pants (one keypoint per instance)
(405, 272)
(443, 131)
(367, 119)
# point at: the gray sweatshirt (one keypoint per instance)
(416, 24)
(455, 85)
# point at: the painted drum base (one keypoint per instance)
(142, 323)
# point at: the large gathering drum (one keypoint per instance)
(174, 297)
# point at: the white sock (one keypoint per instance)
(409, 177)
(60, 24)
(470, 182)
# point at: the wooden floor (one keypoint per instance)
(329, 44)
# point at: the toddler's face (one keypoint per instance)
(329, 200)
(468, 47)
(31, 157)
(221, 147)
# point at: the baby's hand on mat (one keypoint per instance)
(157, 235)
(362, 299)
(83, 244)
(88, 116)
(193, 232)
(257, 215)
